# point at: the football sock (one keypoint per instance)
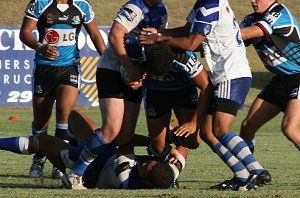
(94, 146)
(61, 131)
(36, 132)
(251, 144)
(240, 150)
(238, 169)
(15, 144)
(71, 137)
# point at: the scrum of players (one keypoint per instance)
(147, 61)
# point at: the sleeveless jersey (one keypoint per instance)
(134, 16)
(223, 47)
(279, 49)
(59, 25)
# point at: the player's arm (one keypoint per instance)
(203, 82)
(251, 32)
(95, 36)
(28, 25)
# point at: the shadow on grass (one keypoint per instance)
(261, 79)
(37, 183)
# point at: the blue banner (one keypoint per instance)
(16, 64)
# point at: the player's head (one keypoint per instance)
(260, 6)
(156, 174)
(159, 58)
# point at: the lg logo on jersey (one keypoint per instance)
(53, 36)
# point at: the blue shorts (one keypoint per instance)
(230, 95)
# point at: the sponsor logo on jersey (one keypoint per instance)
(129, 14)
(272, 17)
(60, 37)
(63, 18)
(50, 18)
(52, 37)
(294, 93)
(76, 20)
(38, 89)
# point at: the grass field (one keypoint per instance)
(203, 167)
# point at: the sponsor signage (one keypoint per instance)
(16, 65)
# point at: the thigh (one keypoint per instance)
(261, 112)
(131, 114)
(81, 125)
(292, 115)
(66, 98)
(112, 113)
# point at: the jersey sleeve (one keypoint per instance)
(278, 20)
(86, 10)
(129, 16)
(203, 18)
(189, 64)
(124, 165)
(178, 166)
(32, 9)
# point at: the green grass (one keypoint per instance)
(203, 167)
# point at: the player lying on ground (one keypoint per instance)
(116, 168)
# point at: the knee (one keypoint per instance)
(290, 133)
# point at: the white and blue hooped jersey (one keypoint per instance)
(122, 171)
(223, 47)
(279, 49)
(134, 16)
(59, 25)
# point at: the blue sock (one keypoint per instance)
(94, 146)
(251, 144)
(240, 150)
(36, 132)
(74, 152)
(238, 169)
(61, 131)
(15, 144)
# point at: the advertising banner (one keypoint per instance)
(16, 65)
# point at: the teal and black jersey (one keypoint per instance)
(59, 25)
(279, 49)
(186, 65)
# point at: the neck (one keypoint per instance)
(62, 1)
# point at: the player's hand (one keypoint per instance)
(174, 156)
(185, 129)
(136, 84)
(48, 51)
(135, 74)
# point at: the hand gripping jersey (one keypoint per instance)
(59, 25)
(279, 49)
(223, 47)
(134, 16)
(186, 65)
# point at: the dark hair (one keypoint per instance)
(159, 58)
(161, 175)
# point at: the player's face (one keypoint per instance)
(144, 172)
(260, 6)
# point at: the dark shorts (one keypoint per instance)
(281, 89)
(230, 95)
(47, 78)
(110, 85)
(160, 102)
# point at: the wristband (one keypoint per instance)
(38, 45)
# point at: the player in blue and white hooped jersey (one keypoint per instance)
(275, 34)
(212, 24)
(116, 168)
(120, 104)
(56, 72)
